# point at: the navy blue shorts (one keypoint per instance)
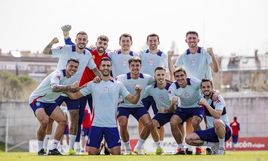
(186, 113)
(210, 135)
(163, 118)
(71, 104)
(48, 107)
(110, 134)
(148, 102)
(234, 139)
(136, 112)
(86, 131)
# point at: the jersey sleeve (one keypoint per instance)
(91, 64)
(172, 91)
(146, 92)
(219, 103)
(68, 41)
(151, 80)
(122, 90)
(56, 77)
(208, 57)
(88, 89)
(59, 51)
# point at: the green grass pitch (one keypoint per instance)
(230, 156)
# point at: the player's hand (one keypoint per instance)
(74, 87)
(66, 28)
(138, 88)
(203, 102)
(174, 100)
(55, 40)
(210, 51)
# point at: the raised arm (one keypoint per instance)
(171, 65)
(47, 49)
(214, 65)
(66, 33)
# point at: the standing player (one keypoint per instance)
(85, 58)
(152, 58)
(106, 95)
(130, 80)
(188, 90)
(217, 121)
(235, 128)
(198, 63)
(88, 75)
(159, 92)
(120, 57)
(42, 102)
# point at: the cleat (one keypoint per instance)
(127, 152)
(54, 152)
(180, 151)
(72, 152)
(159, 151)
(198, 151)
(215, 148)
(138, 151)
(220, 151)
(188, 151)
(41, 152)
(208, 151)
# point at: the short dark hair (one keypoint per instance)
(125, 35)
(105, 59)
(152, 35)
(73, 60)
(235, 118)
(191, 32)
(179, 70)
(103, 38)
(206, 80)
(81, 33)
(134, 59)
(159, 68)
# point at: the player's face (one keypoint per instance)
(181, 78)
(105, 68)
(125, 43)
(101, 46)
(81, 41)
(206, 88)
(192, 40)
(153, 42)
(71, 68)
(135, 67)
(160, 76)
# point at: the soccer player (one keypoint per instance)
(88, 75)
(130, 80)
(196, 60)
(120, 57)
(152, 58)
(235, 128)
(105, 96)
(198, 63)
(79, 52)
(188, 90)
(44, 106)
(217, 120)
(159, 92)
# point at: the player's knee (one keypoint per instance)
(148, 125)
(218, 123)
(122, 123)
(196, 121)
(44, 122)
(174, 122)
(188, 140)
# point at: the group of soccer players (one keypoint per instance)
(121, 83)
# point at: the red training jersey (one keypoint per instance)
(88, 74)
(235, 127)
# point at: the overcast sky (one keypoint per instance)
(226, 25)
